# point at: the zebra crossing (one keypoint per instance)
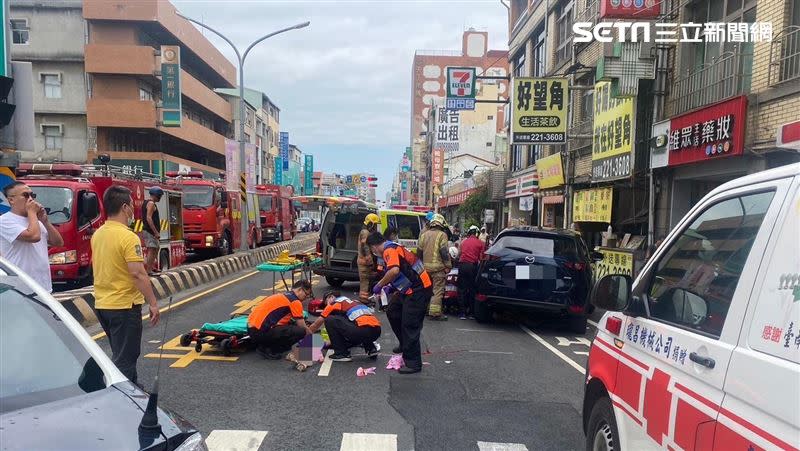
(245, 440)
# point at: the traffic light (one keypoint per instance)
(6, 109)
(373, 185)
(372, 179)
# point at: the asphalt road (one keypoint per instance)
(514, 384)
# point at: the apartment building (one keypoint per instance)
(122, 57)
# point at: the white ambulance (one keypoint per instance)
(702, 350)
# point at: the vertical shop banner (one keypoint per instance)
(279, 171)
(592, 205)
(251, 164)
(308, 177)
(284, 149)
(447, 129)
(231, 165)
(551, 173)
(437, 166)
(712, 132)
(539, 111)
(613, 137)
(171, 86)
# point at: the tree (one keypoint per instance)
(473, 207)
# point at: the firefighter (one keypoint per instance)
(151, 232)
(433, 250)
(366, 263)
(349, 324)
(405, 274)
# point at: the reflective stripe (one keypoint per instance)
(358, 311)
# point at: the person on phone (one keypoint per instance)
(25, 234)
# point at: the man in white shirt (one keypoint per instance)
(25, 233)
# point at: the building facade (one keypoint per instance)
(123, 74)
(51, 36)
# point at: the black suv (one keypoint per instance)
(536, 269)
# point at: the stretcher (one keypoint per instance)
(298, 263)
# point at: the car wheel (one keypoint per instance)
(483, 313)
(602, 433)
(577, 324)
(334, 282)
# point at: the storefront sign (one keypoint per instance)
(437, 166)
(592, 205)
(455, 199)
(615, 261)
(526, 203)
(550, 171)
(447, 122)
(523, 185)
(232, 165)
(461, 88)
(308, 177)
(171, 86)
(250, 166)
(630, 9)
(284, 149)
(713, 132)
(613, 137)
(279, 171)
(788, 136)
(539, 111)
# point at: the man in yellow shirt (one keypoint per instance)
(121, 284)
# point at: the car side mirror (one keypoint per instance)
(596, 256)
(612, 292)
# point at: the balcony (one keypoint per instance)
(120, 59)
(206, 97)
(784, 55)
(192, 132)
(105, 112)
(727, 76)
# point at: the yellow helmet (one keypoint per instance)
(372, 218)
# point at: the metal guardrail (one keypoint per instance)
(722, 78)
(784, 56)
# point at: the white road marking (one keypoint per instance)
(577, 341)
(479, 330)
(492, 446)
(581, 352)
(592, 323)
(325, 368)
(368, 442)
(492, 352)
(553, 349)
(231, 440)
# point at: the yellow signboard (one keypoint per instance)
(613, 135)
(539, 111)
(592, 205)
(615, 261)
(550, 171)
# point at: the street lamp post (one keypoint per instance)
(242, 110)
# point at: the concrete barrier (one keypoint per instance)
(80, 302)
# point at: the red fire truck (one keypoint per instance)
(72, 196)
(277, 215)
(212, 216)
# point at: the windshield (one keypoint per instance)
(198, 196)
(265, 203)
(540, 246)
(41, 360)
(57, 202)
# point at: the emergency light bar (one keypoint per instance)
(190, 174)
(50, 168)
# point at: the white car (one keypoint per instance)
(702, 351)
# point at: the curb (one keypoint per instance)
(80, 302)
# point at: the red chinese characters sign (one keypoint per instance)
(437, 166)
(713, 132)
(630, 9)
(455, 199)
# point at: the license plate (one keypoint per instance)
(534, 272)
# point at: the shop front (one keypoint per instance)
(448, 205)
(521, 205)
(551, 190)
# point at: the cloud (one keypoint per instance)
(343, 84)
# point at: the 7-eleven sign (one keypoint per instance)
(461, 82)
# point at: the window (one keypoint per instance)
(519, 64)
(20, 33)
(534, 153)
(407, 226)
(695, 280)
(145, 91)
(517, 152)
(538, 54)
(53, 137)
(563, 33)
(57, 202)
(488, 144)
(489, 118)
(52, 85)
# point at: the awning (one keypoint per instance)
(553, 200)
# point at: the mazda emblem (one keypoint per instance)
(530, 259)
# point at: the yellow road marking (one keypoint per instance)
(184, 360)
(187, 300)
(245, 305)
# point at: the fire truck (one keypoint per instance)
(212, 215)
(277, 216)
(72, 196)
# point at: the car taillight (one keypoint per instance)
(575, 309)
(486, 257)
(319, 246)
(577, 266)
(614, 325)
(480, 297)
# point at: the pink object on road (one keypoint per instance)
(395, 362)
(361, 372)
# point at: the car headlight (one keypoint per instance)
(193, 443)
(62, 258)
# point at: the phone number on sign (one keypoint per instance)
(614, 167)
(540, 137)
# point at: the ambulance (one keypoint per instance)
(702, 350)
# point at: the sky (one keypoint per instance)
(343, 84)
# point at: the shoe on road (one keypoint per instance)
(341, 358)
(397, 350)
(372, 351)
(407, 370)
(268, 355)
(463, 317)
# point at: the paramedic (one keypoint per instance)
(366, 264)
(121, 284)
(269, 324)
(349, 324)
(432, 249)
(406, 274)
(471, 250)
